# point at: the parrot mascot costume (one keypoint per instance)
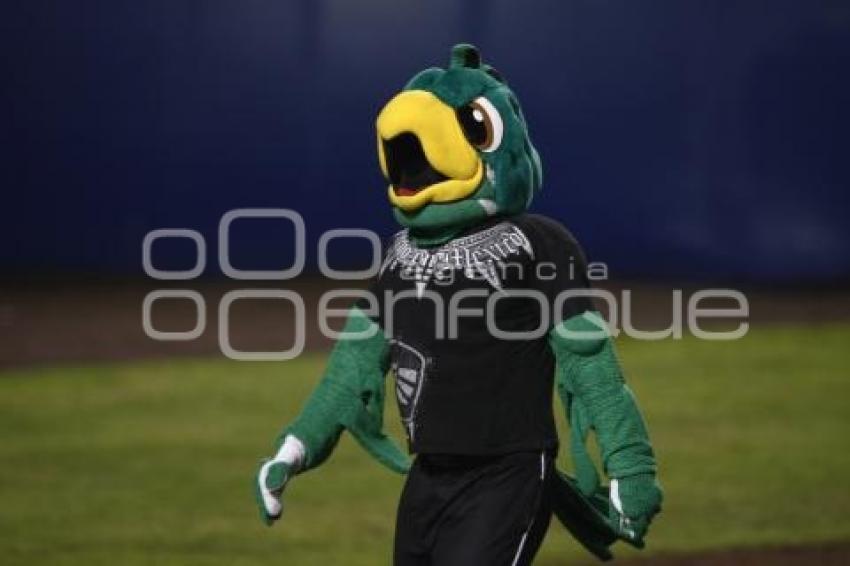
(475, 401)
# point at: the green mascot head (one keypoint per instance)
(454, 147)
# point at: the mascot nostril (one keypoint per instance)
(475, 361)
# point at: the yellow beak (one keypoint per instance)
(448, 153)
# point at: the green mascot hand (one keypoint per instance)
(273, 476)
(635, 500)
(268, 489)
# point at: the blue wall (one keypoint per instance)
(698, 139)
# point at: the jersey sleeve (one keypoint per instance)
(560, 268)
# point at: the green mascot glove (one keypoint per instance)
(273, 476)
(634, 501)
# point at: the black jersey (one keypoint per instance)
(468, 322)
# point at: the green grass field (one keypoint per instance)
(151, 463)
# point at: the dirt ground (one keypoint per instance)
(833, 554)
(43, 323)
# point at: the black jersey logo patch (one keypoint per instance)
(408, 365)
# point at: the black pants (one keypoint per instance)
(474, 511)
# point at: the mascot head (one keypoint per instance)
(454, 147)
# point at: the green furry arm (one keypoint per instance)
(349, 396)
(593, 391)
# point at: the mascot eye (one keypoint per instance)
(481, 124)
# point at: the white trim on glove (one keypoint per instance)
(291, 453)
(615, 496)
(270, 501)
(625, 522)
